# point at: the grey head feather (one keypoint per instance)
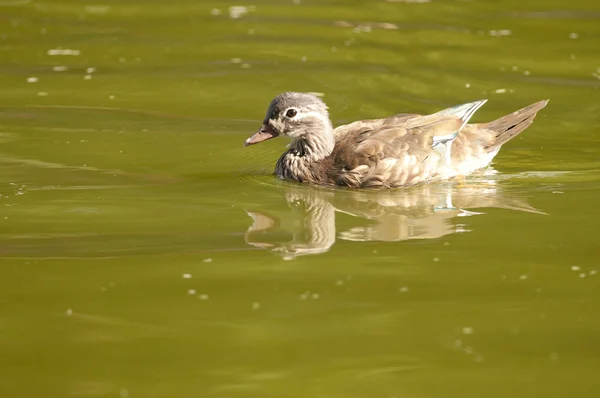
(303, 101)
(312, 116)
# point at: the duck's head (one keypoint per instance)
(294, 115)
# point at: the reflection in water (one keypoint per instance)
(421, 212)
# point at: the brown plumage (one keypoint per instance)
(400, 150)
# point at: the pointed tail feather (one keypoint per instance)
(509, 126)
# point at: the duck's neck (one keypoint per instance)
(312, 147)
(300, 162)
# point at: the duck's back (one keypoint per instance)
(407, 149)
(390, 152)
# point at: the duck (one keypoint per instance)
(397, 151)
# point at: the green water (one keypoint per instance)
(145, 253)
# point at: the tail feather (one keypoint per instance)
(509, 126)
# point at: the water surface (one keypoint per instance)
(145, 253)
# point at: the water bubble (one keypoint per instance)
(65, 51)
(403, 289)
(32, 79)
(207, 260)
(467, 330)
(69, 312)
(501, 32)
(387, 26)
(187, 276)
(237, 11)
(191, 292)
(255, 306)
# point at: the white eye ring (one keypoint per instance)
(291, 113)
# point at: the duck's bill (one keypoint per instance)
(265, 133)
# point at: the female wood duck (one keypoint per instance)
(397, 151)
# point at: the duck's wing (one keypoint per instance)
(371, 125)
(391, 152)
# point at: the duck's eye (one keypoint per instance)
(291, 113)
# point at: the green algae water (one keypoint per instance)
(145, 253)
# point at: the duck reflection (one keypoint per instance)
(420, 212)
